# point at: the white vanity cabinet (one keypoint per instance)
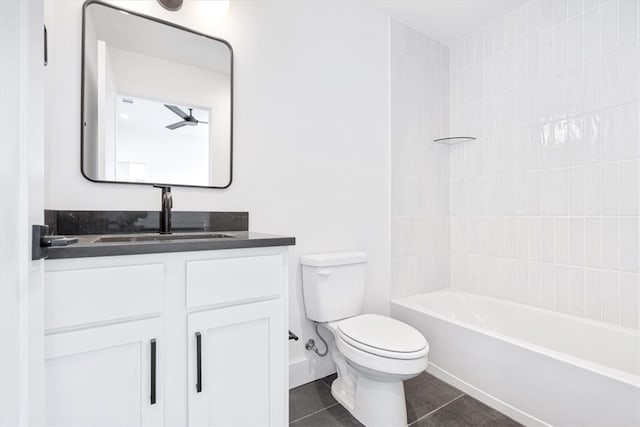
(171, 339)
(103, 376)
(232, 379)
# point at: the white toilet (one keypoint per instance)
(373, 354)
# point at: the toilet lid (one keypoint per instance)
(382, 335)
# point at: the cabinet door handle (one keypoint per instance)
(153, 372)
(198, 362)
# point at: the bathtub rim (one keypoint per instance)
(597, 368)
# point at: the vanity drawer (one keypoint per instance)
(224, 281)
(84, 296)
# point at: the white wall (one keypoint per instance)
(107, 116)
(93, 90)
(545, 204)
(419, 168)
(311, 150)
(181, 160)
(21, 205)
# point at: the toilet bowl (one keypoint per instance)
(372, 365)
(373, 354)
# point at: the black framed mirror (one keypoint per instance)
(157, 101)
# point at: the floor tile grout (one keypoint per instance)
(412, 423)
(313, 413)
(436, 410)
(323, 382)
(324, 414)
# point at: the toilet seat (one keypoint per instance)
(382, 336)
(382, 366)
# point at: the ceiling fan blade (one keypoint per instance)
(176, 125)
(177, 111)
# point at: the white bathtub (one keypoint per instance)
(537, 366)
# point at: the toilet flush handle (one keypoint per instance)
(324, 273)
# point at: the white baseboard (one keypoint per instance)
(307, 370)
(487, 399)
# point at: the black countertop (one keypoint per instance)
(240, 240)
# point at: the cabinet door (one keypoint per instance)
(105, 376)
(237, 363)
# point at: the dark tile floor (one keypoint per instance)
(430, 403)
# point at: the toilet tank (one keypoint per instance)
(333, 284)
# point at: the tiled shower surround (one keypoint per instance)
(544, 205)
(419, 170)
(543, 208)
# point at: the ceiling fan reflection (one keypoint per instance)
(187, 119)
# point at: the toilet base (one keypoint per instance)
(374, 403)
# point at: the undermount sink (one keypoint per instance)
(160, 237)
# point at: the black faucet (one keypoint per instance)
(165, 212)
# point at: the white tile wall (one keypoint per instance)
(544, 205)
(420, 168)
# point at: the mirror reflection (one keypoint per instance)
(157, 102)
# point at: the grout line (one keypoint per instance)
(313, 413)
(436, 410)
(328, 385)
(505, 258)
